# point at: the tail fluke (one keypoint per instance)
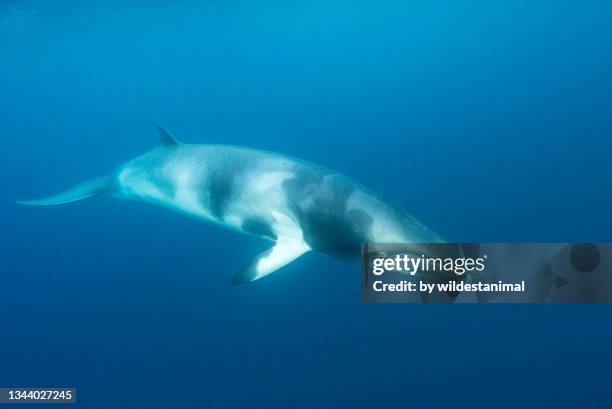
(90, 188)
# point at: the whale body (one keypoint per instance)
(297, 205)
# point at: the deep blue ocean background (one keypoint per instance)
(487, 120)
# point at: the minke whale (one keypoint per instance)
(297, 205)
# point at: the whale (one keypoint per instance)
(296, 205)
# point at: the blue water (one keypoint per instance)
(488, 121)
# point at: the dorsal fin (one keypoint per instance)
(166, 137)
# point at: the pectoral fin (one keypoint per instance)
(277, 256)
